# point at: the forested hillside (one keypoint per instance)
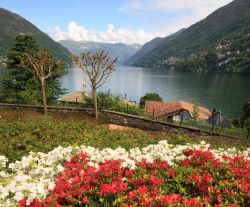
(12, 24)
(219, 42)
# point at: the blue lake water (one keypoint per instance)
(226, 92)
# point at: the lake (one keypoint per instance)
(226, 92)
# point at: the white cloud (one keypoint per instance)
(111, 34)
(179, 13)
(174, 6)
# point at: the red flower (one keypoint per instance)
(85, 200)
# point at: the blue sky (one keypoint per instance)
(127, 21)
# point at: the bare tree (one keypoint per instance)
(42, 66)
(98, 68)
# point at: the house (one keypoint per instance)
(175, 110)
(74, 97)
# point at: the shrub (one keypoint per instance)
(109, 101)
(200, 179)
(149, 97)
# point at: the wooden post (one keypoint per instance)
(213, 126)
(181, 117)
(248, 133)
(214, 122)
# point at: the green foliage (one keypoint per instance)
(248, 124)
(180, 139)
(194, 48)
(109, 101)
(195, 113)
(13, 24)
(22, 134)
(19, 86)
(105, 100)
(149, 97)
(246, 109)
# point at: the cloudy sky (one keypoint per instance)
(126, 21)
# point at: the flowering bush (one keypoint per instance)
(158, 175)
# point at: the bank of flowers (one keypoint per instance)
(157, 175)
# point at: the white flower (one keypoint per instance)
(35, 174)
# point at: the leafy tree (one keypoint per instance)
(149, 97)
(20, 86)
(246, 109)
(98, 68)
(195, 113)
(211, 60)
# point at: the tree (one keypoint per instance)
(20, 86)
(149, 97)
(98, 68)
(42, 67)
(246, 109)
(196, 112)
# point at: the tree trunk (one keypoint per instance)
(95, 102)
(44, 101)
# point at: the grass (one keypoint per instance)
(231, 131)
(24, 131)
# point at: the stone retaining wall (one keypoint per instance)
(121, 119)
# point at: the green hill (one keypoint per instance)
(222, 28)
(12, 24)
(148, 47)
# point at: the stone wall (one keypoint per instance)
(121, 119)
(143, 123)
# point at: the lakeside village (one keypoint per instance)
(162, 110)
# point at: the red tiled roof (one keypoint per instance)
(165, 108)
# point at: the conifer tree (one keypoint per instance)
(19, 85)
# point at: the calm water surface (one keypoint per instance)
(226, 92)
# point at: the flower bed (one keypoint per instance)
(158, 175)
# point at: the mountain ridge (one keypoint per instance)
(13, 24)
(149, 46)
(121, 50)
(222, 24)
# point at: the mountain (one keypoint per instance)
(12, 24)
(149, 46)
(218, 30)
(122, 51)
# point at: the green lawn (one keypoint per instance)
(23, 131)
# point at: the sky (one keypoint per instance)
(113, 21)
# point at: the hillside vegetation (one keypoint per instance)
(227, 28)
(13, 24)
